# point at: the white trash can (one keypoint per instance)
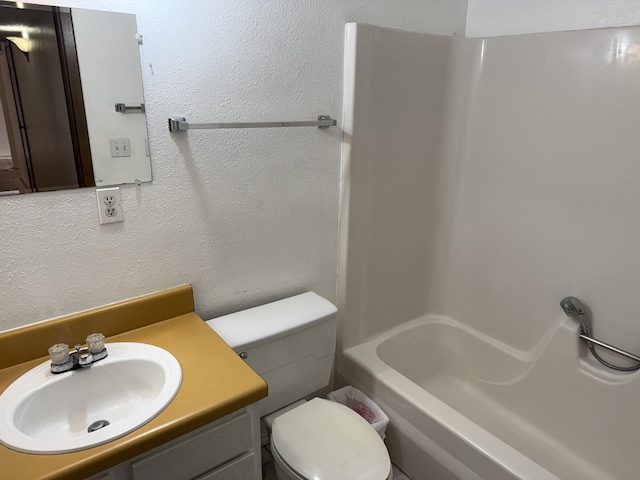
(363, 406)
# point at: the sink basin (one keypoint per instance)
(48, 413)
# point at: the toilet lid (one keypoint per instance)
(324, 440)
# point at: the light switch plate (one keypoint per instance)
(120, 147)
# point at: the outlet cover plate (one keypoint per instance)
(109, 205)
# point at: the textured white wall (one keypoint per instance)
(511, 17)
(245, 216)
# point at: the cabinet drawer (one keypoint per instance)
(241, 469)
(197, 454)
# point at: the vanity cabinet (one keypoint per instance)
(227, 449)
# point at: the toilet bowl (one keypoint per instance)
(291, 345)
(321, 440)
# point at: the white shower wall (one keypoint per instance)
(509, 185)
(393, 143)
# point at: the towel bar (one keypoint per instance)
(180, 124)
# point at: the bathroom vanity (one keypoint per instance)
(210, 430)
(223, 450)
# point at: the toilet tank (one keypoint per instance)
(289, 343)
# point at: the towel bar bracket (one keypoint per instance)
(122, 108)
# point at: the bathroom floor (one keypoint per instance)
(270, 474)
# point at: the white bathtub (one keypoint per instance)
(464, 406)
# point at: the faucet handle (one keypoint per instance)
(59, 353)
(95, 343)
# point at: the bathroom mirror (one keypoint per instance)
(71, 100)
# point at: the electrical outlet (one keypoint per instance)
(120, 147)
(109, 205)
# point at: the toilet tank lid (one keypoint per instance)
(256, 325)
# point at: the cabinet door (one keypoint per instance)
(191, 457)
(240, 469)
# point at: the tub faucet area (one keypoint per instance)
(574, 308)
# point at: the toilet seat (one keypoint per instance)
(324, 440)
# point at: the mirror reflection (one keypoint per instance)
(71, 101)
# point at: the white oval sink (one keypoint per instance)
(47, 413)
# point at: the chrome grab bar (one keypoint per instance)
(180, 124)
(610, 347)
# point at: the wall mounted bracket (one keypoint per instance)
(122, 108)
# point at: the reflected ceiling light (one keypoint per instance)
(17, 28)
(22, 43)
(624, 49)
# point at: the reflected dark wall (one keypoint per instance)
(44, 106)
(38, 94)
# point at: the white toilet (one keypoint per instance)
(291, 345)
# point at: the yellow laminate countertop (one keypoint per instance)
(215, 381)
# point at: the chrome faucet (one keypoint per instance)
(85, 358)
(62, 360)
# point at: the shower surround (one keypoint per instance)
(484, 180)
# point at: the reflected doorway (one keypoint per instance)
(44, 142)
